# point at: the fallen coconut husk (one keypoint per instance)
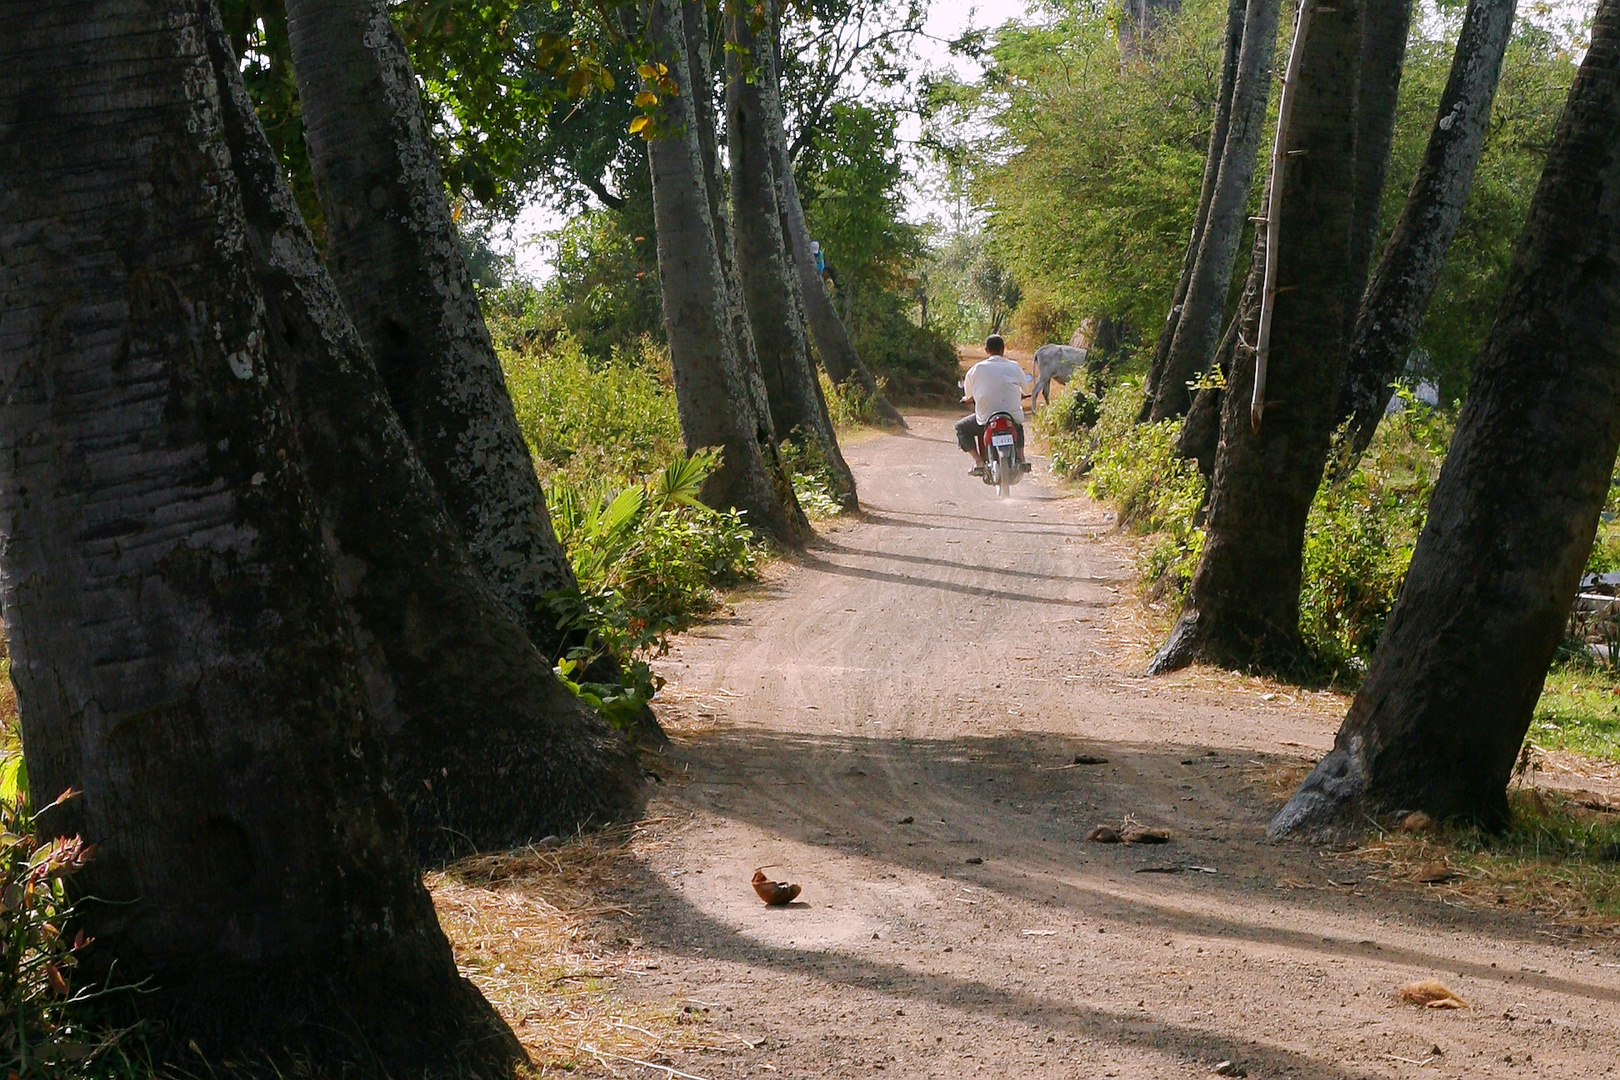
(774, 893)
(1431, 994)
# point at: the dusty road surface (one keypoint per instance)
(895, 723)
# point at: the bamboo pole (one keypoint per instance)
(1279, 158)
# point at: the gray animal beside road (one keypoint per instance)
(1055, 362)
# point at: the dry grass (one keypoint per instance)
(539, 933)
(1559, 859)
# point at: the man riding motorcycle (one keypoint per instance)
(994, 385)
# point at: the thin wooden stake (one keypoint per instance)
(1279, 158)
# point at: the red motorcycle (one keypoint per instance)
(1004, 465)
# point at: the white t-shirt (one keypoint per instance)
(996, 384)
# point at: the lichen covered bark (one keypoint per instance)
(717, 400)
(180, 649)
(489, 749)
(396, 257)
(770, 287)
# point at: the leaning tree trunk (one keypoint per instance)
(181, 652)
(1383, 55)
(831, 336)
(717, 405)
(1243, 605)
(1232, 48)
(488, 748)
(1199, 327)
(396, 257)
(1438, 723)
(770, 288)
(1392, 310)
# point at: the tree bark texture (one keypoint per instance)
(489, 748)
(1199, 327)
(718, 406)
(1200, 435)
(695, 33)
(1243, 605)
(1439, 721)
(1409, 269)
(396, 257)
(695, 27)
(181, 651)
(830, 336)
(1231, 49)
(1383, 56)
(770, 287)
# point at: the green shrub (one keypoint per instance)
(648, 558)
(849, 405)
(1135, 467)
(1359, 536)
(612, 420)
(43, 1020)
(1361, 532)
(813, 482)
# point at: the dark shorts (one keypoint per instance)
(968, 430)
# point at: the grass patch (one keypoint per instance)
(542, 934)
(1558, 857)
(1579, 711)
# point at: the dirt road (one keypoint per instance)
(895, 722)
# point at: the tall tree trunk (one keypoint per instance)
(695, 27)
(396, 257)
(1439, 720)
(770, 289)
(1243, 606)
(1383, 55)
(1230, 51)
(1199, 327)
(831, 337)
(1138, 19)
(180, 649)
(1200, 433)
(717, 404)
(1409, 269)
(488, 748)
(695, 34)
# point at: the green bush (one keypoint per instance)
(849, 405)
(1135, 467)
(1359, 536)
(648, 558)
(45, 1029)
(1361, 532)
(611, 420)
(813, 482)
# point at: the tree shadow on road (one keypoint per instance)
(1019, 802)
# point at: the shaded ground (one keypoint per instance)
(910, 700)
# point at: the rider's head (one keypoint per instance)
(994, 345)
